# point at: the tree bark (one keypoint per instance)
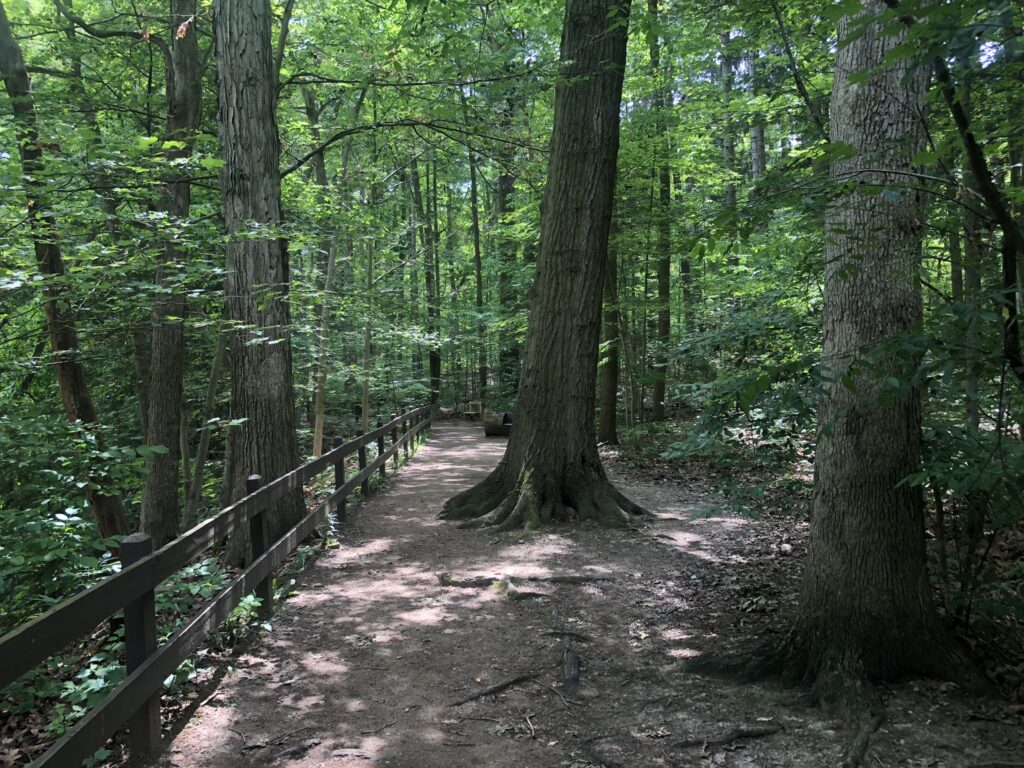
(60, 326)
(551, 469)
(160, 491)
(865, 610)
(257, 264)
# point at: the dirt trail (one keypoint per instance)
(362, 665)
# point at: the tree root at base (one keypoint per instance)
(837, 684)
(531, 503)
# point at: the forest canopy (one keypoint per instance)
(217, 257)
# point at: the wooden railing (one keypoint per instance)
(137, 697)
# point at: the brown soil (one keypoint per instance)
(363, 664)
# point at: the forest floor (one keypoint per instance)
(410, 615)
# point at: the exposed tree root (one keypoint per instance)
(862, 738)
(743, 732)
(838, 683)
(597, 756)
(533, 502)
(747, 667)
(484, 582)
(570, 668)
(493, 689)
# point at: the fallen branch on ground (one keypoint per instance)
(729, 736)
(493, 689)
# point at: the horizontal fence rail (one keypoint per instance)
(131, 590)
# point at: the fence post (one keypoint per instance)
(140, 644)
(339, 480)
(406, 423)
(394, 438)
(380, 450)
(258, 545)
(364, 486)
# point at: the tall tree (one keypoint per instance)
(551, 469)
(865, 610)
(256, 285)
(60, 326)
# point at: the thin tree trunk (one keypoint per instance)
(607, 432)
(60, 326)
(433, 269)
(663, 218)
(330, 267)
(758, 156)
(481, 328)
(202, 451)
(729, 140)
(160, 491)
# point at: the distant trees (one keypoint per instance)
(74, 389)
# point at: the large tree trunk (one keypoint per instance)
(257, 265)
(865, 610)
(60, 327)
(160, 496)
(551, 468)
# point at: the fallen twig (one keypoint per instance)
(378, 730)
(296, 750)
(557, 693)
(743, 732)
(568, 633)
(493, 689)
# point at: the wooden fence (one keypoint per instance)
(137, 697)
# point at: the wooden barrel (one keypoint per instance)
(497, 424)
